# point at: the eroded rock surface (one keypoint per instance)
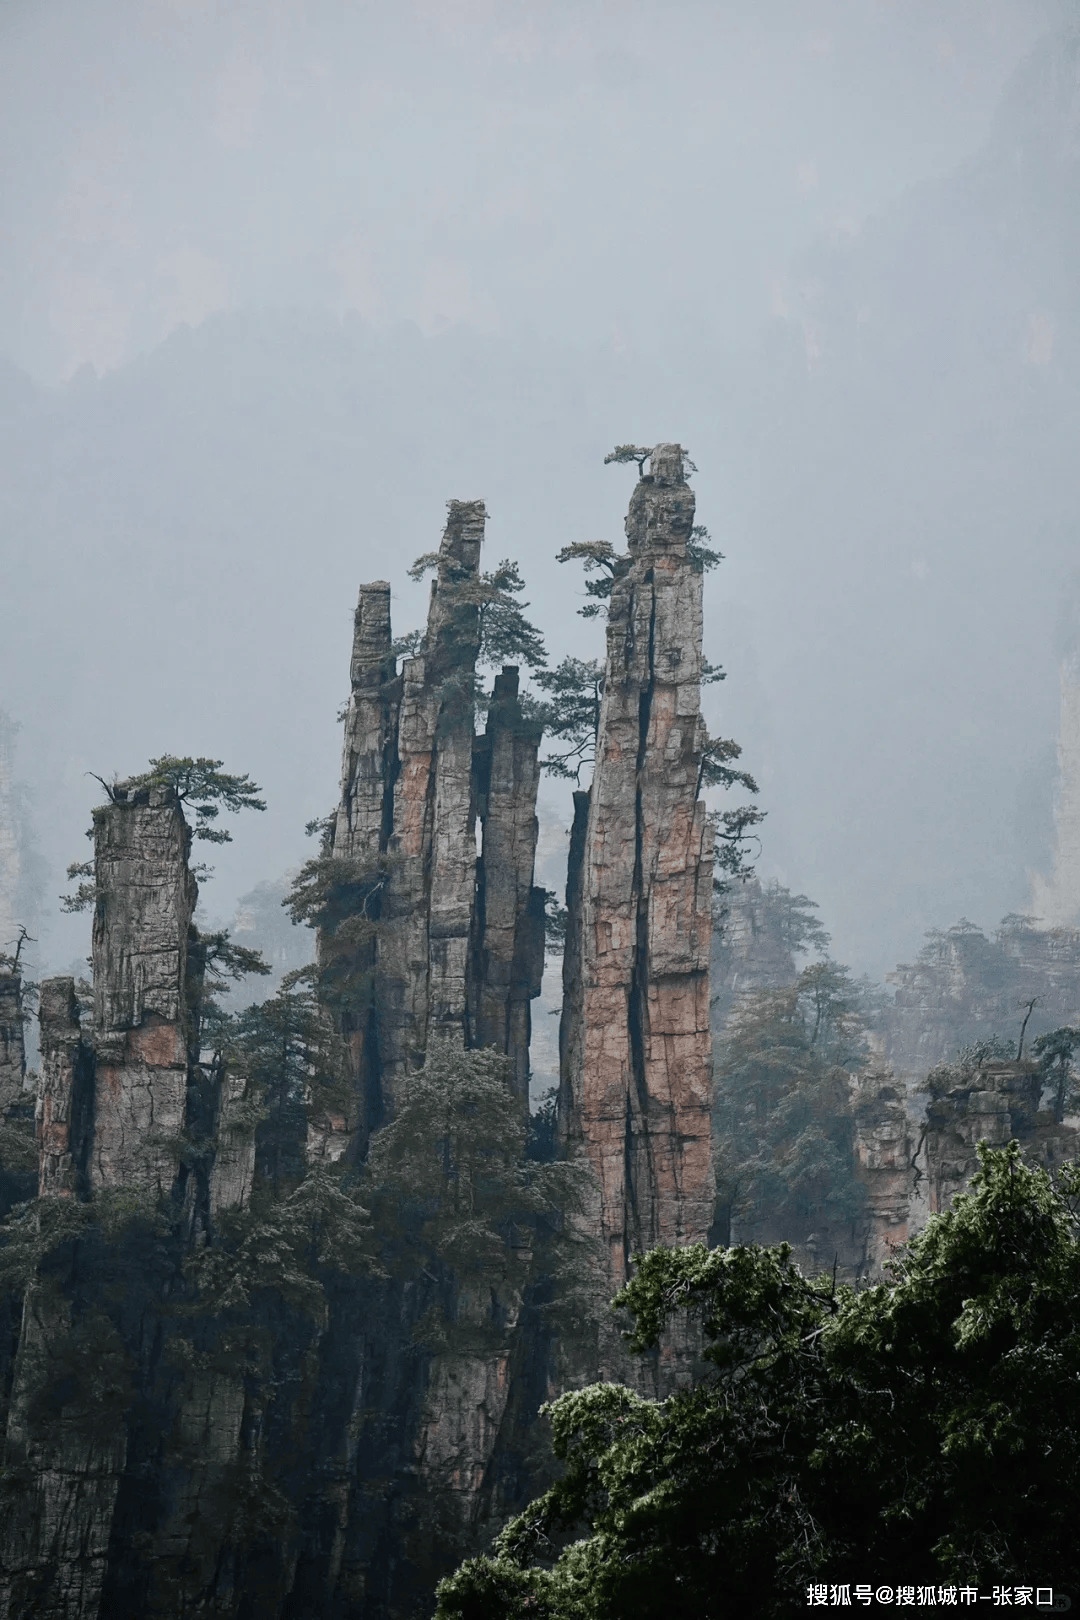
(142, 925)
(635, 1094)
(456, 941)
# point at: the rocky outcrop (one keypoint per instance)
(427, 915)
(65, 1094)
(455, 946)
(12, 1045)
(508, 921)
(966, 986)
(18, 1160)
(141, 1023)
(62, 1468)
(883, 1154)
(635, 1090)
(996, 1103)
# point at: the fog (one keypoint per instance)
(280, 279)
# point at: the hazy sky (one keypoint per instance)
(587, 167)
(335, 263)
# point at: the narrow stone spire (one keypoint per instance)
(62, 1121)
(508, 957)
(142, 931)
(637, 1049)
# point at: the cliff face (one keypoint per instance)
(636, 1083)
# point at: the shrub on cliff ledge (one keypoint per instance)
(924, 1430)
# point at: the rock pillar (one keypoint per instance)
(456, 946)
(883, 1153)
(636, 1081)
(62, 1121)
(995, 1103)
(12, 1046)
(508, 962)
(142, 929)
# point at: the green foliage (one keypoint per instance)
(86, 893)
(733, 843)
(964, 1066)
(640, 453)
(624, 453)
(570, 713)
(202, 784)
(556, 918)
(924, 1430)
(783, 1113)
(451, 1185)
(199, 783)
(701, 554)
(1055, 1052)
(226, 963)
(715, 769)
(599, 558)
(505, 635)
(18, 1151)
(286, 1049)
(283, 1246)
(342, 898)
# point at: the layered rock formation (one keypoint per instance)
(996, 1102)
(117, 1109)
(12, 1044)
(18, 1161)
(635, 1090)
(456, 940)
(883, 1154)
(965, 986)
(65, 1095)
(507, 948)
(141, 1024)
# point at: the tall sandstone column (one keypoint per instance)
(508, 924)
(65, 1084)
(635, 1093)
(142, 929)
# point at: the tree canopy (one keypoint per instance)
(923, 1430)
(783, 1111)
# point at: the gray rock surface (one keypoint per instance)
(637, 1073)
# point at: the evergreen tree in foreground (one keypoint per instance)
(923, 1431)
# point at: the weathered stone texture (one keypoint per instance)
(458, 947)
(142, 924)
(54, 1548)
(361, 822)
(12, 1046)
(883, 1152)
(465, 1402)
(233, 1169)
(62, 1115)
(997, 1103)
(639, 1051)
(508, 959)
